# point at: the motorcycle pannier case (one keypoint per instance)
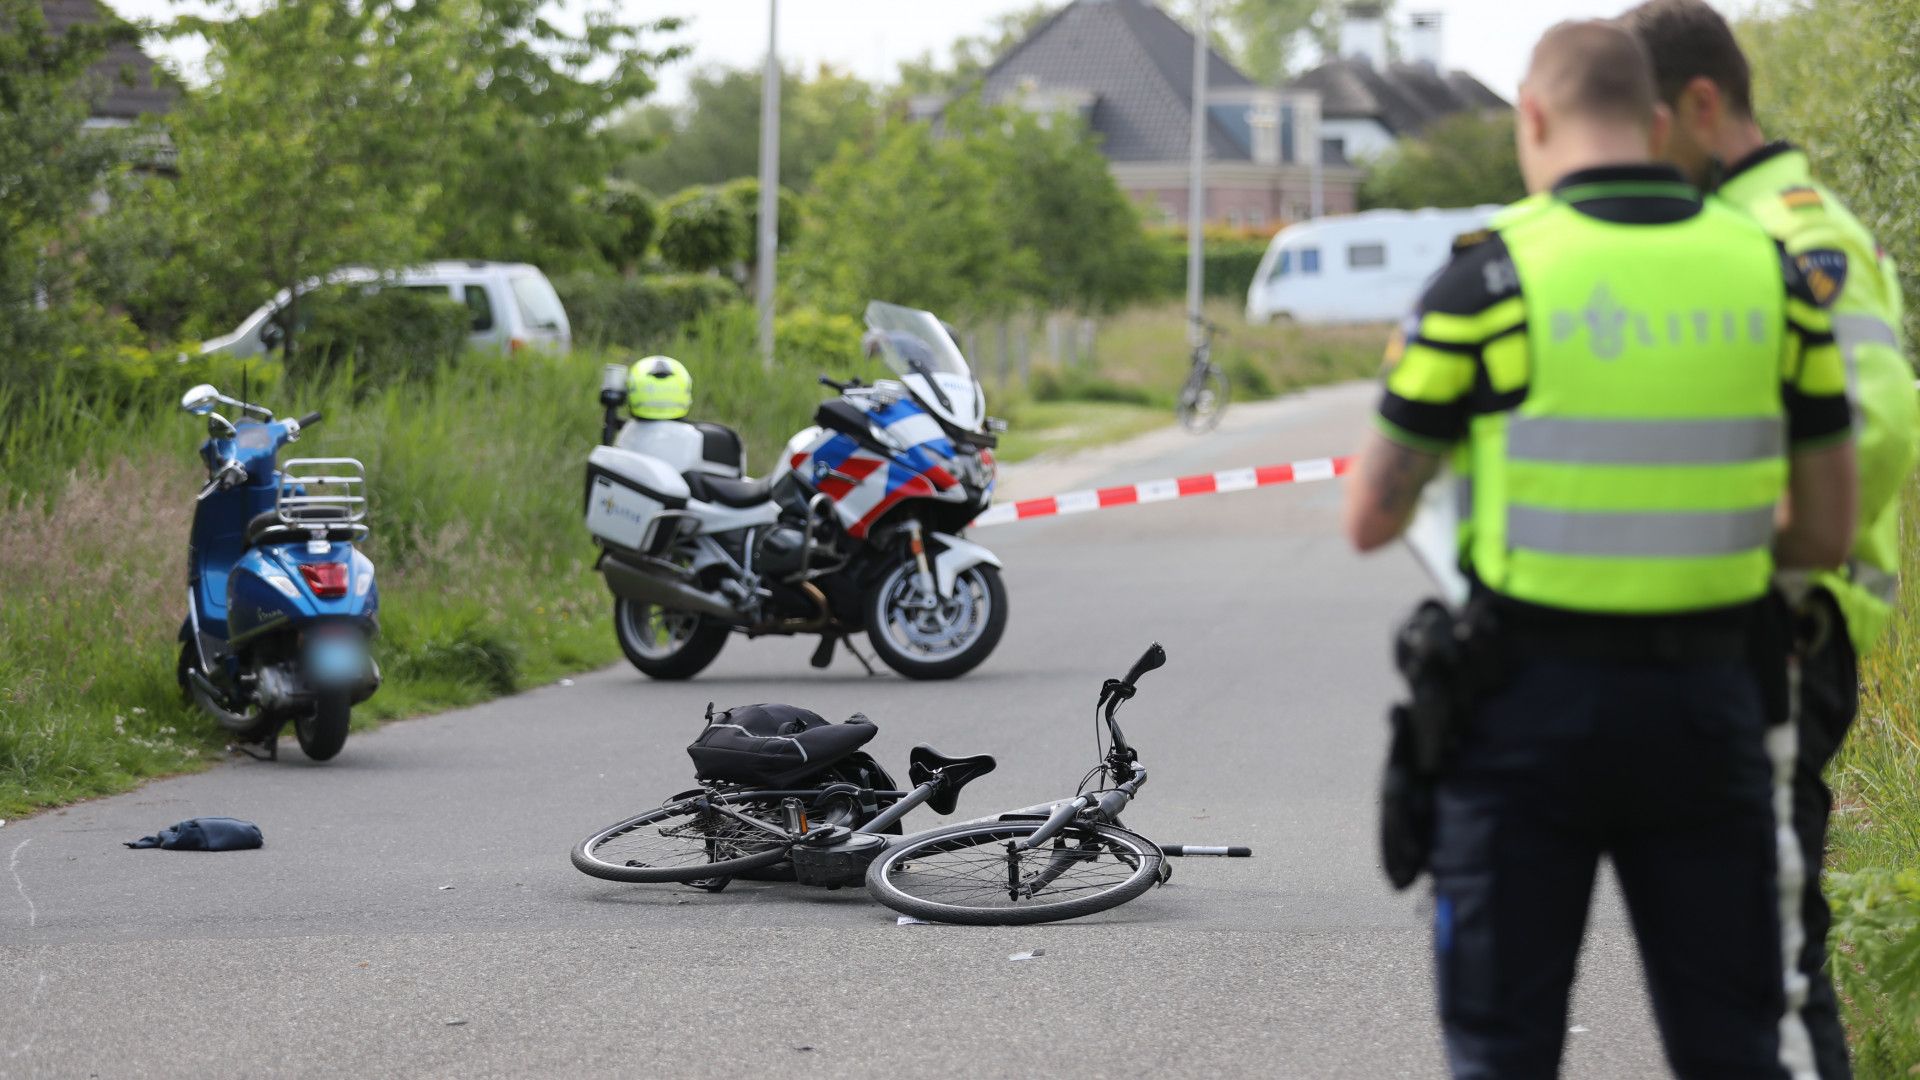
(627, 493)
(772, 745)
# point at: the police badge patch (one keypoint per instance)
(1825, 271)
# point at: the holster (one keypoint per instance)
(1448, 659)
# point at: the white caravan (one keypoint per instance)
(1365, 267)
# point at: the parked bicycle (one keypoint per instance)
(1203, 400)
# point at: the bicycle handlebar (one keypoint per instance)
(1154, 658)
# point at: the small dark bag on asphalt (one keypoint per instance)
(204, 834)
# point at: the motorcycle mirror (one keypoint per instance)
(200, 399)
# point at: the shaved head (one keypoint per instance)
(1593, 70)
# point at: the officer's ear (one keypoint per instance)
(1699, 109)
(1660, 132)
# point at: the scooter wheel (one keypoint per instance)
(324, 732)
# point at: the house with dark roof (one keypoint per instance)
(124, 84)
(1369, 101)
(1126, 69)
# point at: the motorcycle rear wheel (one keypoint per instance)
(323, 732)
(666, 645)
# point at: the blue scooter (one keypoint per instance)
(280, 604)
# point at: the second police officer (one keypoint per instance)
(1644, 396)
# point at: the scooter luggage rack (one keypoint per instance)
(322, 493)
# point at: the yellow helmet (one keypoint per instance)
(659, 388)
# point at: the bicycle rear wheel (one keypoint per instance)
(692, 839)
(974, 874)
(1204, 400)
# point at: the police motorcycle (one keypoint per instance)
(280, 604)
(858, 526)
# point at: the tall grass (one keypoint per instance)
(1874, 863)
(474, 476)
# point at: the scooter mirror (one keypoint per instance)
(200, 399)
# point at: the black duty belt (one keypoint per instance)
(1535, 633)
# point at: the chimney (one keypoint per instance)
(1423, 38)
(1363, 34)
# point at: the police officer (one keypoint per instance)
(1648, 406)
(1704, 80)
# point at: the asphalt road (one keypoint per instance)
(414, 913)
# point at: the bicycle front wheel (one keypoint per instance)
(1203, 400)
(692, 839)
(977, 874)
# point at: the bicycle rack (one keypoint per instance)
(322, 493)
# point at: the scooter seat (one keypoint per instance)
(267, 528)
(738, 494)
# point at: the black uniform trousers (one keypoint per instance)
(1663, 768)
(1829, 698)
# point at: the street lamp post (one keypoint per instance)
(1197, 174)
(769, 238)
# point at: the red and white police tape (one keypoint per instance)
(1079, 502)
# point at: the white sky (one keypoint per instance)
(1489, 38)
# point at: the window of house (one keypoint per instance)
(1310, 260)
(1366, 256)
(482, 308)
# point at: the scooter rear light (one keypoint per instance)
(327, 580)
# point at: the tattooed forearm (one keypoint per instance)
(1385, 488)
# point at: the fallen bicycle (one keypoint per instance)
(787, 795)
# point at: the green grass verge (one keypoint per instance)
(484, 568)
(1874, 857)
(1039, 427)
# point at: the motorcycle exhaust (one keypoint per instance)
(630, 582)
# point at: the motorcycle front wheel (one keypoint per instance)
(666, 644)
(926, 637)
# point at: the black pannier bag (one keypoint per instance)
(773, 745)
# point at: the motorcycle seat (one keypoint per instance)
(267, 528)
(720, 490)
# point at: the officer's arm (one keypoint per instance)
(1822, 482)
(1431, 368)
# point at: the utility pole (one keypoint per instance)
(1197, 176)
(769, 239)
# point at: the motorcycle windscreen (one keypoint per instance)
(1434, 538)
(915, 345)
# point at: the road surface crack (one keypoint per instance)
(40, 971)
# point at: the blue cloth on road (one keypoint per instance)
(204, 834)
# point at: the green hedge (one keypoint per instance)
(638, 313)
(1231, 265)
(388, 335)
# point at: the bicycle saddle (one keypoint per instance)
(924, 761)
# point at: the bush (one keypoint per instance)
(744, 194)
(703, 231)
(638, 313)
(388, 334)
(815, 339)
(1232, 262)
(628, 220)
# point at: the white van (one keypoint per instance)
(1365, 267)
(513, 304)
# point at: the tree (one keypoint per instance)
(379, 132)
(744, 194)
(703, 231)
(49, 169)
(1058, 203)
(1463, 160)
(716, 135)
(912, 219)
